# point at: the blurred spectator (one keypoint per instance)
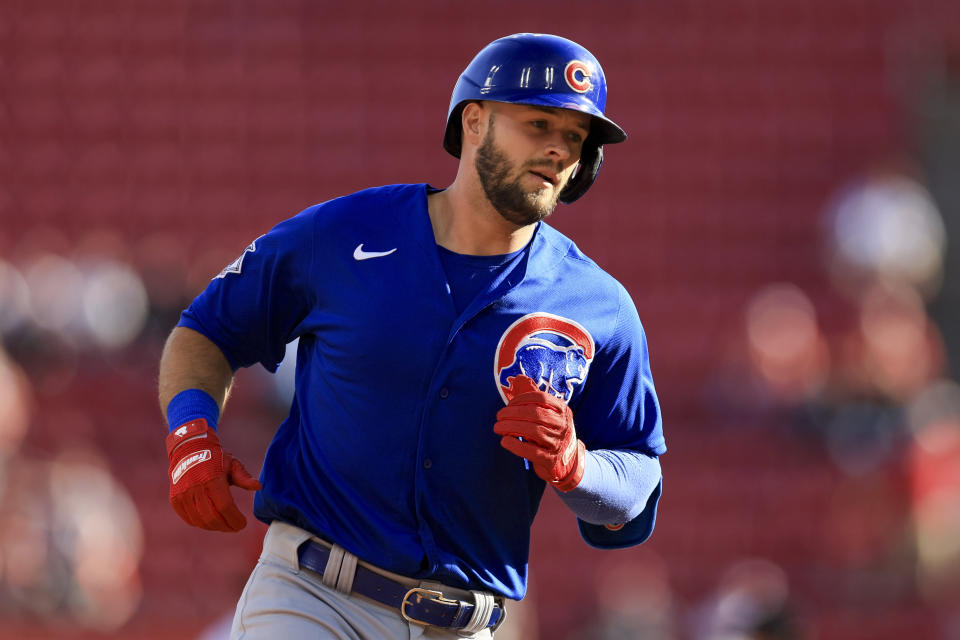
(751, 602)
(885, 226)
(16, 401)
(777, 360)
(886, 244)
(88, 296)
(896, 349)
(893, 351)
(786, 348)
(634, 601)
(70, 537)
(934, 417)
(97, 530)
(849, 381)
(56, 289)
(113, 301)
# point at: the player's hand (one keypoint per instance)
(201, 473)
(550, 442)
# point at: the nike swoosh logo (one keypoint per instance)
(360, 254)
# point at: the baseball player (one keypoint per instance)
(457, 355)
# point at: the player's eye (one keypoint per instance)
(539, 124)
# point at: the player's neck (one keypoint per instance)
(465, 222)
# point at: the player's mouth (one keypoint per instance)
(546, 177)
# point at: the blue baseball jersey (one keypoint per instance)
(389, 447)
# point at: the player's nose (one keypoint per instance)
(558, 147)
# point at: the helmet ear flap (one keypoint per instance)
(591, 157)
(453, 135)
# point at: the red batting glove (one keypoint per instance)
(550, 442)
(201, 473)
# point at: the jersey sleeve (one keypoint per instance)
(253, 308)
(629, 534)
(619, 409)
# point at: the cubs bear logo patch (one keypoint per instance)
(555, 352)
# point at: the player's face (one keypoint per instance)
(527, 158)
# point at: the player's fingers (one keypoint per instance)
(540, 398)
(510, 428)
(535, 413)
(197, 511)
(186, 510)
(529, 431)
(524, 449)
(515, 428)
(521, 414)
(239, 476)
(198, 508)
(204, 511)
(225, 514)
(196, 504)
(232, 518)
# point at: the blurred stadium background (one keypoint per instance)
(785, 215)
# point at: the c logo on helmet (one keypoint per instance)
(577, 75)
(555, 352)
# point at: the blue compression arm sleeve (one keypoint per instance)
(615, 486)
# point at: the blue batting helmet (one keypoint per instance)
(543, 70)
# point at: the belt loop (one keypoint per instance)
(348, 569)
(340, 570)
(482, 610)
(332, 571)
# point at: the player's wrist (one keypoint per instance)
(575, 474)
(190, 405)
(189, 432)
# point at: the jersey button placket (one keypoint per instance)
(443, 393)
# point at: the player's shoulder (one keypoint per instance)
(370, 209)
(610, 303)
(373, 203)
(570, 257)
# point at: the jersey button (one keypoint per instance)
(444, 392)
(427, 463)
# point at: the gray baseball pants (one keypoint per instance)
(283, 601)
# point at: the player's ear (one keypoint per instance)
(472, 120)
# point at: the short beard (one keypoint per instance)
(511, 201)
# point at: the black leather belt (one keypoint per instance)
(419, 605)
